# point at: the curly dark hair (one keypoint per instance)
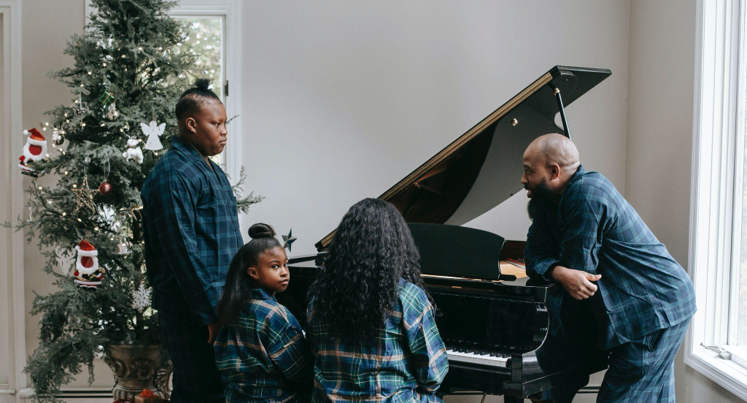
(371, 250)
(238, 289)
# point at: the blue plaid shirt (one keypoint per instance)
(594, 229)
(407, 363)
(191, 230)
(265, 358)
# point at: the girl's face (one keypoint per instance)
(271, 271)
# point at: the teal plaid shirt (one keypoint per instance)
(594, 229)
(191, 231)
(407, 363)
(264, 358)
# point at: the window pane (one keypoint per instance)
(204, 39)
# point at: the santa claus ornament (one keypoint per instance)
(34, 150)
(87, 273)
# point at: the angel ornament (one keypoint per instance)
(153, 131)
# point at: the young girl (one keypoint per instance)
(370, 322)
(260, 351)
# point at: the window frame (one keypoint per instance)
(717, 173)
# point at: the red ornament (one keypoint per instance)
(105, 188)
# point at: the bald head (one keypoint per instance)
(549, 162)
(557, 149)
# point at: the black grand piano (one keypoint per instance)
(501, 335)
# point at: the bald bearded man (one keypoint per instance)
(587, 237)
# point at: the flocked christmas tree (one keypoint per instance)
(126, 79)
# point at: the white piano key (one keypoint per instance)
(480, 359)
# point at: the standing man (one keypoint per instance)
(587, 237)
(191, 229)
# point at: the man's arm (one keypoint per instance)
(580, 243)
(176, 203)
(540, 254)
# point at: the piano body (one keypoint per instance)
(499, 330)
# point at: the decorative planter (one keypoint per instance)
(136, 368)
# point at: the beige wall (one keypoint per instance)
(659, 145)
(45, 34)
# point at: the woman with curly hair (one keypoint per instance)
(371, 323)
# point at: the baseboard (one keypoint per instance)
(80, 393)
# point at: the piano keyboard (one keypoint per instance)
(470, 357)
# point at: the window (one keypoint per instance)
(220, 21)
(214, 18)
(717, 345)
(204, 38)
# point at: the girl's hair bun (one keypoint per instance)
(202, 83)
(260, 230)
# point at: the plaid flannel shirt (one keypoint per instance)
(407, 363)
(265, 358)
(191, 230)
(594, 229)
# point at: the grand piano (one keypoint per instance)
(505, 334)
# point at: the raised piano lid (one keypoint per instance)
(483, 167)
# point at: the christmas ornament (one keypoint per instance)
(87, 273)
(111, 112)
(153, 131)
(65, 258)
(84, 197)
(106, 99)
(289, 239)
(133, 151)
(141, 298)
(122, 248)
(34, 150)
(58, 137)
(105, 188)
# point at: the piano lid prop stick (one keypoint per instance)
(556, 91)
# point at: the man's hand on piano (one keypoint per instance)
(578, 283)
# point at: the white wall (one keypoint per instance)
(659, 144)
(343, 99)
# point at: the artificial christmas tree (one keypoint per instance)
(126, 72)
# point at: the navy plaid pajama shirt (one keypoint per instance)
(645, 298)
(191, 231)
(407, 363)
(264, 357)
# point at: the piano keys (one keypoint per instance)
(505, 334)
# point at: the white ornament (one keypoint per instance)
(153, 131)
(111, 112)
(122, 249)
(65, 258)
(133, 151)
(141, 298)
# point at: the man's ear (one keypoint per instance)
(191, 124)
(252, 272)
(554, 171)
